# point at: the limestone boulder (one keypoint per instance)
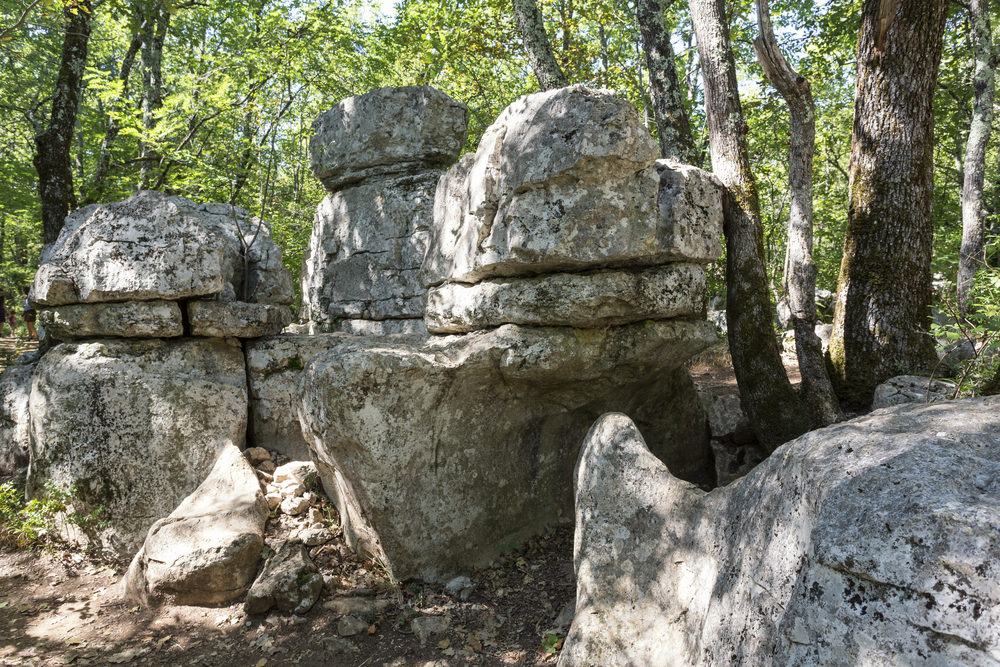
(134, 426)
(206, 551)
(870, 542)
(290, 581)
(589, 300)
(243, 320)
(153, 246)
(15, 418)
(438, 451)
(568, 180)
(911, 389)
(128, 319)
(274, 369)
(365, 252)
(387, 131)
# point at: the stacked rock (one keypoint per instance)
(570, 260)
(380, 156)
(151, 295)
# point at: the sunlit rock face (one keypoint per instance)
(569, 260)
(380, 156)
(871, 542)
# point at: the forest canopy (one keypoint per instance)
(214, 100)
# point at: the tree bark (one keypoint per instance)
(52, 147)
(973, 209)
(882, 317)
(672, 123)
(537, 45)
(774, 409)
(151, 56)
(111, 133)
(800, 271)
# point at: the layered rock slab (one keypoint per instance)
(15, 417)
(206, 551)
(129, 319)
(153, 246)
(387, 130)
(438, 451)
(600, 299)
(840, 549)
(134, 426)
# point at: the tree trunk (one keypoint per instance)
(537, 45)
(152, 96)
(672, 124)
(882, 318)
(111, 133)
(774, 409)
(52, 157)
(973, 209)
(800, 273)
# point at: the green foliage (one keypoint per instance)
(551, 643)
(35, 522)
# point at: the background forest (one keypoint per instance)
(214, 100)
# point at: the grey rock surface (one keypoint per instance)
(134, 426)
(349, 626)
(129, 319)
(386, 131)
(563, 179)
(289, 581)
(690, 212)
(365, 252)
(426, 626)
(911, 389)
(15, 417)
(218, 319)
(839, 550)
(274, 368)
(591, 300)
(437, 451)
(153, 246)
(207, 550)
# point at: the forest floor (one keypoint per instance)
(63, 607)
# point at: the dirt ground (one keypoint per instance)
(62, 607)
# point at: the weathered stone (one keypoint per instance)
(438, 451)
(15, 418)
(725, 413)
(289, 582)
(313, 536)
(364, 255)
(294, 505)
(425, 626)
(206, 551)
(153, 246)
(562, 179)
(274, 366)
(587, 301)
(386, 131)
(134, 426)
(840, 549)
(911, 389)
(733, 461)
(256, 455)
(374, 327)
(690, 203)
(356, 606)
(234, 318)
(299, 472)
(349, 626)
(718, 318)
(131, 319)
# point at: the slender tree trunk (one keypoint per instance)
(774, 409)
(800, 271)
(882, 318)
(537, 45)
(111, 133)
(973, 208)
(672, 124)
(151, 55)
(52, 157)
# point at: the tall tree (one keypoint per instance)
(973, 209)
(537, 45)
(883, 303)
(797, 93)
(155, 20)
(672, 123)
(53, 145)
(774, 409)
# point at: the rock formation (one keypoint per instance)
(15, 418)
(868, 542)
(569, 259)
(380, 156)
